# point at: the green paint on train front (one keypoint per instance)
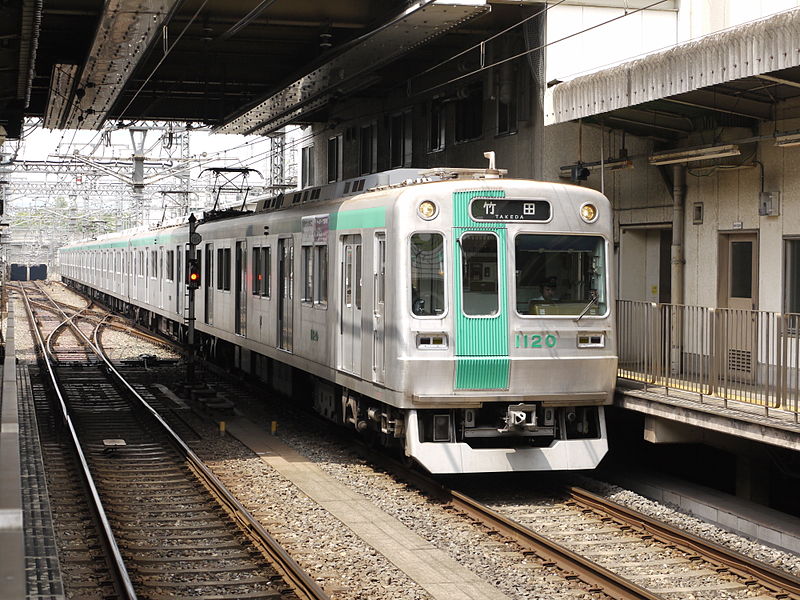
(481, 343)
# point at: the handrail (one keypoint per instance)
(750, 356)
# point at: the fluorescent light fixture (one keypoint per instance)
(680, 156)
(785, 140)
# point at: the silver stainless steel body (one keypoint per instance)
(416, 309)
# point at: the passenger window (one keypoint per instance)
(308, 273)
(358, 277)
(257, 274)
(427, 274)
(266, 269)
(321, 283)
(479, 274)
(227, 269)
(220, 268)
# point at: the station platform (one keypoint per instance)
(12, 536)
(676, 416)
(748, 519)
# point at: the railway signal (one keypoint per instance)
(192, 283)
(193, 273)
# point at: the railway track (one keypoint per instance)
(612, 551)
(666, 561)
(168, 527)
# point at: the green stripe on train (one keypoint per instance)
(481, 343)
(360, 218)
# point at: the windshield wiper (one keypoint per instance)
(592, 300)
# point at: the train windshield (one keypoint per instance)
(560, 274)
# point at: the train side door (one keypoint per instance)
(240, 318)
(379, 309)
(285, 293)
(350, 319)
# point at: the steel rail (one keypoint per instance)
(52, 335)
(295, 576)
(122, 581)
(777, 581)
(598, 577)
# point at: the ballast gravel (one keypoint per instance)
(670, 514)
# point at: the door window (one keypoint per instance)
(479, 279)
(427, 274)
(741, 276)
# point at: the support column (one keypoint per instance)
(678, 195)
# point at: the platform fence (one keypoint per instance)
(746, 356)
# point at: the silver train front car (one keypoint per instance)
(469, 322)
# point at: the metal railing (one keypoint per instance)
(746, 356)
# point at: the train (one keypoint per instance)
(408, 305)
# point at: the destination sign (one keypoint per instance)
(509, 209)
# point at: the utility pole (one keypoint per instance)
(192, 282)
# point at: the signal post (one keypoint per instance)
(192, 283)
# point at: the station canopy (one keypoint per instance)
(736, 77)
(239, 66)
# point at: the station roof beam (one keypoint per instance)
(19, 31)
(353, 68)
(125, 31)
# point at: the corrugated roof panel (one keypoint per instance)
(755, 48)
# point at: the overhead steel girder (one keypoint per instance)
(125, 31)
(348, 71)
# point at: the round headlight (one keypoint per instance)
(427, 209)
(588, 212)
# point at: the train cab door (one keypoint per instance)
(379, 309)
(481, 308)
(285, 293)
(240, 318)
(350, 302)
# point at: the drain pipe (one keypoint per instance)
(678, 194)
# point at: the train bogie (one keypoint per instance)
(469, 320)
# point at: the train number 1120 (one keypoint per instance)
(535, 340)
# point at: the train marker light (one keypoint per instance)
(589, 213)
(427, 210)
(193, 273)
